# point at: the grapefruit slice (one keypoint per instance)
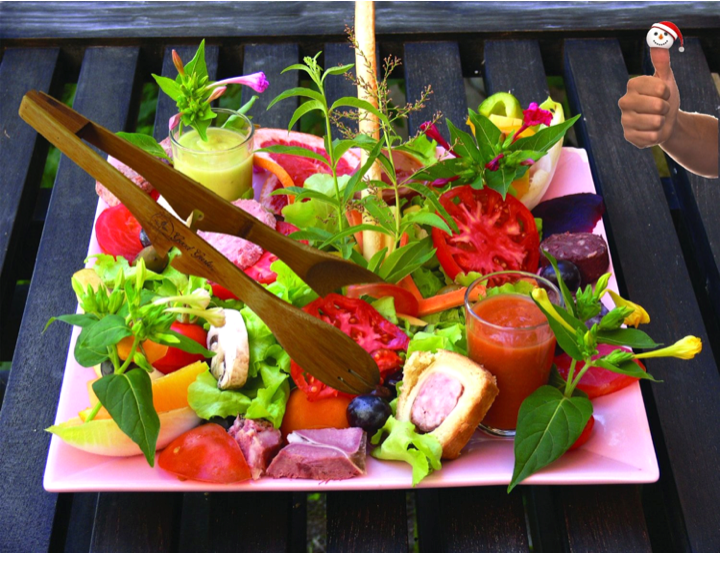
(297, 167)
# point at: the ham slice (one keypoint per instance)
(259, 442)
(324, 454)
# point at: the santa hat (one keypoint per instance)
(673, 30)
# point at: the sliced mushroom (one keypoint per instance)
(232, 352)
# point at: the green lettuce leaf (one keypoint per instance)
(442, 336)
(386, 307)
(267, 390)
(421, 451)
(422, 148)
(428, 282)
(315, 213)
(289, 286)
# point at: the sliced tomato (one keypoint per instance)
(405, 302)
(366, 326)
(260, 271)
(223, 293)
(177, 358)
(495, 234)
(585, 434)
(597, 382)
(206, 453)
(118, 232)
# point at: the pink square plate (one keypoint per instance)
(619, 451)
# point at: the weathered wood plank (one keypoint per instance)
(237, 522)
(646, 247)
(444, 76)
(337, 86)
(131, 522)
(699, 206)
(36, 375)
(21, 157)
(166, 107)
(477, 519)
(366, 521)
(272, 59)
(604, 518)
(239, 19)
(515, 67)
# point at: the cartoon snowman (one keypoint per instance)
(664, 35)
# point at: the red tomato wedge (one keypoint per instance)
(494, 234)
(585, 434)
(260, 271)
(366, 326)
(405, 301)
(206, 453)
(176, 358)
(118, 232)
(597, 382)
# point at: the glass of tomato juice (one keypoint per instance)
(223, 162)
(509, 335)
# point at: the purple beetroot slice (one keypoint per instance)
(576, 213)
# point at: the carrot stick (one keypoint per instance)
(278, 170)
(409, 284)
(443, 302)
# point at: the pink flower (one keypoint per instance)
(217, 93)
(174, 121)
(256, 82)
(494, 164)
(534, 115)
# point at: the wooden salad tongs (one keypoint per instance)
(319, 348)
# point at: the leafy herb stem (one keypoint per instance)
(131, 355)
(333, 167)
(573, 382)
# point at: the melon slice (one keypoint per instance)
(104, 437)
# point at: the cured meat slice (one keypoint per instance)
(259, 442)
(241, 252)
(108, 197)
(585, 250)
(324, 454)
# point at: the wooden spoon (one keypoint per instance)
(319, 348)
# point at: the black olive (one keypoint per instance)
(153, 261)
(144, 239)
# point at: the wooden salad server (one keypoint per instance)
(322, 271)
(319, 348)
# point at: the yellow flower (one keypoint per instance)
(639, 314)
(541, 297)
(686, 348)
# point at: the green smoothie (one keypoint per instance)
(222, 163)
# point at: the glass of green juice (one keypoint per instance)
(223, 163)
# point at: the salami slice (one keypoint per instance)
(587, 251)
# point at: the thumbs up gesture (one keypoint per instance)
(650, 106)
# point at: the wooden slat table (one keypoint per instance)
(667, 256)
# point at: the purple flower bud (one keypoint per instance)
(174, 121)
(527, 162)
(217, 93)
(494, 164)
(433, 133)
(178, 63)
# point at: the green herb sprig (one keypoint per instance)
(552, 418)
(128, 309)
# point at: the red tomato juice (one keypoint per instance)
(511, 338)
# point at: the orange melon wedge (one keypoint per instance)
(169, 391)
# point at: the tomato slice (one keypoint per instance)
(206, 453)
(260, 271)
(366, 326)
(118, 232)
(405, 302)
(495, 234)
(176, 358)
(585, 434)
(223, 293)
(597, 382)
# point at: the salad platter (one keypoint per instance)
(619, 451)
